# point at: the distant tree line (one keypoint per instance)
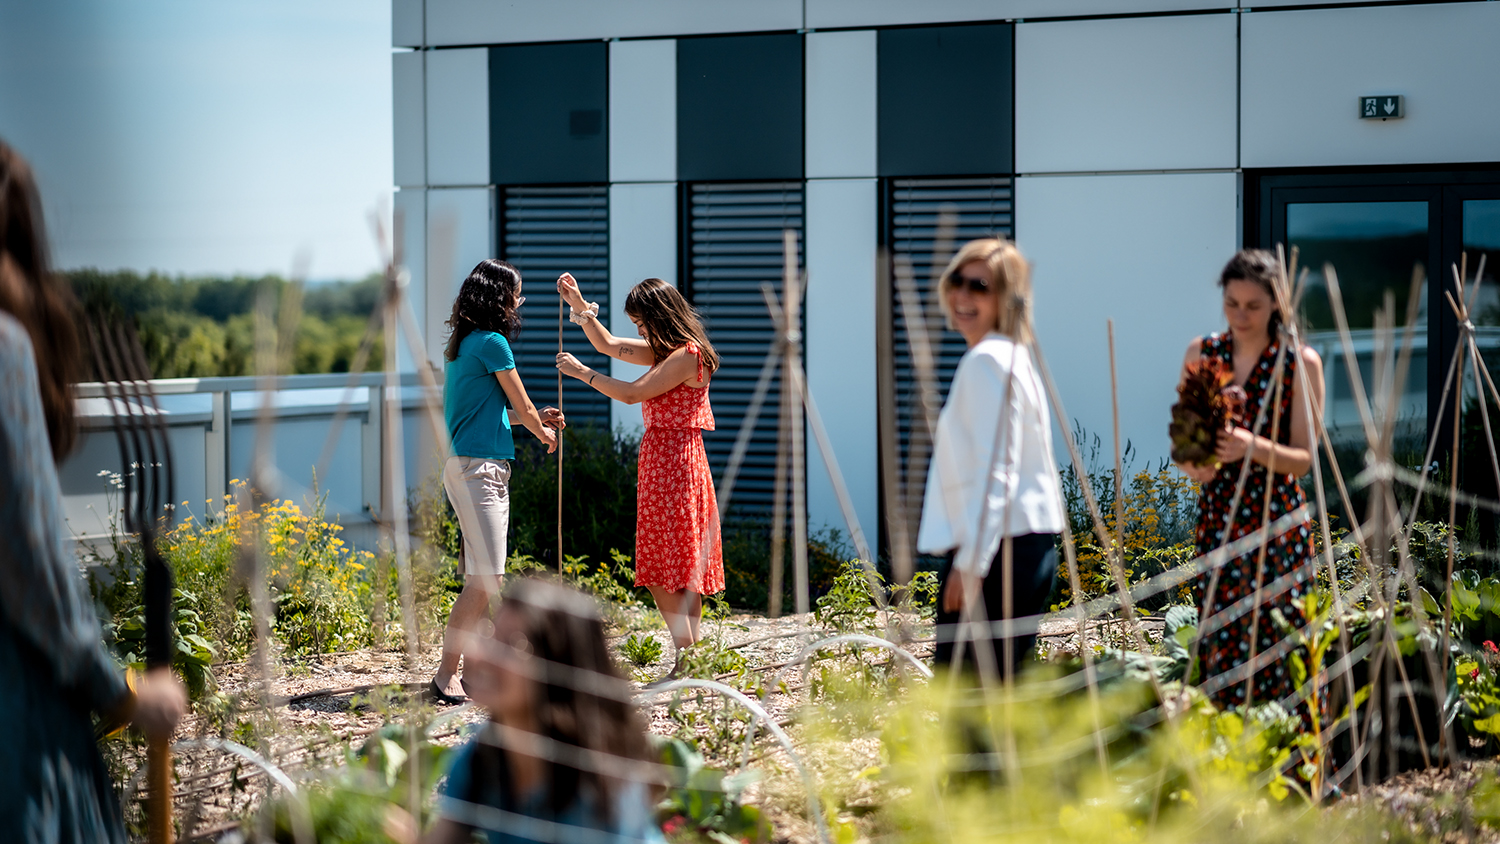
(202, 326)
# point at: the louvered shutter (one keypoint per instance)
(734, 244)
(983, 209)
(544, 232)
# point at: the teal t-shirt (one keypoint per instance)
(473, 402)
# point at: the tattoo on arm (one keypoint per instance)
(626, 351)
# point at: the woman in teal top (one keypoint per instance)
(480, 376)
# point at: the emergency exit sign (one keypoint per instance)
(1384, 107)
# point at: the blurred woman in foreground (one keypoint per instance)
(563, 756)
(55, 673)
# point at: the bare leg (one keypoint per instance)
(691, 606)
(473, 604)
(671, 605)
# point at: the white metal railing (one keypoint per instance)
(212, 426)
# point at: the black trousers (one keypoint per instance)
(1033, 575)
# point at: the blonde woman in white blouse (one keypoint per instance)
(992, 488)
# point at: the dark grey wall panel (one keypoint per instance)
(946, 100)
(979, 208)
(545, 232)
(733, 235)
(549, 110)
(739, 107)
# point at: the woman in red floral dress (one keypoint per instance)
(677, 551)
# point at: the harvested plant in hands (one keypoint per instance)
(1208, 402)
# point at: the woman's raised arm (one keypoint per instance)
(620, 348)
(680, 367)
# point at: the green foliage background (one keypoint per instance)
(203, 326)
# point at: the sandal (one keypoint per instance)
(442, 697)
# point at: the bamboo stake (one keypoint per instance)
(792, 362)
(1114, 403)
(897, 517)
(1314, 427)
(778, 508)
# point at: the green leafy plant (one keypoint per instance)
(368, 800)
(641, 650)
(705, 804)
(598, 494)
(193, 656)
(849, 606)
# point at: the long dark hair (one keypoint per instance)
(488, 301)
(39, 300)
(669, 320)
(1262, 268)
(565, 633)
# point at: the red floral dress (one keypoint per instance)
(1225, 642)
(676, 514)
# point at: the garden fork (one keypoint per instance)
(145, 457)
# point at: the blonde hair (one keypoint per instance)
(1010, 278)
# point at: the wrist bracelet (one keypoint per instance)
(592, 377)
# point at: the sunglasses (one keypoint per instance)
(976, 285)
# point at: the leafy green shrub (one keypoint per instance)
(612, 582)
(747, 563)
(204, 326)
(367, 800)
(324, 595)
(849, 605)
(1161, 510)
(193, 657)
(641, 650)
(704, 804)
(599, 475)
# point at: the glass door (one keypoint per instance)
(1481, 238)
(1374, 238)
(1373, 248)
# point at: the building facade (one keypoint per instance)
(1128, 146)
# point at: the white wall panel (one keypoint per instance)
(409, 118)
(1303, 72)
(406, 23)
(410, 207)
(822, 14)
(297, 446)
(642, 244)
(840, 80)
(458, 117)
(643, 111)
(1153, 93)
(488, 22)
(1144, 250)
(841, 219)
(91, 502)
(460, 234)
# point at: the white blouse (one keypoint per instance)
(975, 498)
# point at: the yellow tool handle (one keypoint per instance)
(159, 789)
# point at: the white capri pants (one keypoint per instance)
(485, 483)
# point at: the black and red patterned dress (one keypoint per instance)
(1224, 635)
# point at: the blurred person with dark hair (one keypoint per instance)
(678, 550)
(564, 755)
(479, 377)
(55, 673)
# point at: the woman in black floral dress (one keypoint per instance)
(1279, 449)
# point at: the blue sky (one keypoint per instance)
(203, 136)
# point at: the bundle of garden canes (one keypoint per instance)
(1208, 401)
